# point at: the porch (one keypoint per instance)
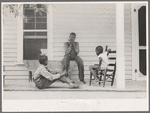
(94, 24)
(24, 85)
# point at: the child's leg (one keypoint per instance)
(66, 63)
(42, 82)
(65, 79)
(103, 69)
(92, 69)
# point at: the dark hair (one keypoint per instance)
(73, 34)
(99, 49)
(42, 59)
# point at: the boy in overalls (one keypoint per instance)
(43, 77)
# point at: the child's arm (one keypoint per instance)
(108, 51)
(44, 72)
(76, 47)
(67, 49)
(55, 71)
(100, 62)
(51, 71)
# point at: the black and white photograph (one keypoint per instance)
(74, 56)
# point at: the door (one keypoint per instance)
(142, 43)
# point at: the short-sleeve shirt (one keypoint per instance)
(104, 57)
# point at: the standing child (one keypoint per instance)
(43, 77)
(103, 62)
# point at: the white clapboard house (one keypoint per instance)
(121, 26)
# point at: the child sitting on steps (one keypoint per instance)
(43, 77)
(103, 62)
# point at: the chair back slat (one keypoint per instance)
(106, 48)
(112, 58)
(112, 51)
(111, 64)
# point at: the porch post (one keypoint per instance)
(120, 64)
(134, 36)
(50, 32)
(20, 36)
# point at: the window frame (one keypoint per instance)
(20, 31)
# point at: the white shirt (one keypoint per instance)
(104, 58)
(41, 70)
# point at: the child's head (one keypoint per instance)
(99, 50)
(72, 36)
(43, 60)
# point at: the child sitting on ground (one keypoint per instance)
(103, 62)
(43, 77)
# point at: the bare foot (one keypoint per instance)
(73, 86)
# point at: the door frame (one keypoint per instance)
(135, 41)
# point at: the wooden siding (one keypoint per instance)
(128, 35)
(9, 39)
(94, 25)
(10, 48)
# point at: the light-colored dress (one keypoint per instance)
(105, 61)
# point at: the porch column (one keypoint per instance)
(120, 63)
(20, 35)
(50, 32)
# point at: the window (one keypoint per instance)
(34, 32)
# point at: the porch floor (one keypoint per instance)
(24, 85)
(21, 89)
